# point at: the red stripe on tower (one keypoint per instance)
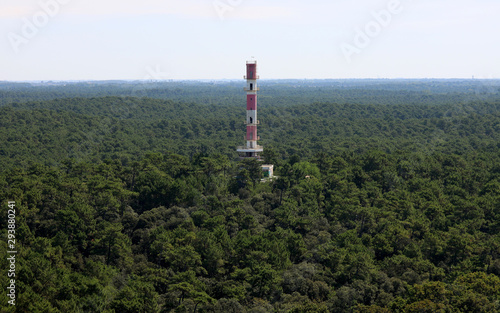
(252, 102)
(252, 133)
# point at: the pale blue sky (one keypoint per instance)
(212, 39)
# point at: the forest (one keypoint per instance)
(130, 197)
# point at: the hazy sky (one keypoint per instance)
(212, 39)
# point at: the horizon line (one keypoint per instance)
(238, 79)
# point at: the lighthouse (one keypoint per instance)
(251, 149)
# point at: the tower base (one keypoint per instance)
(250, 153)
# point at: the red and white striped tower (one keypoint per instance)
(252, 149)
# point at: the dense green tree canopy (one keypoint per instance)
(387, 198)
